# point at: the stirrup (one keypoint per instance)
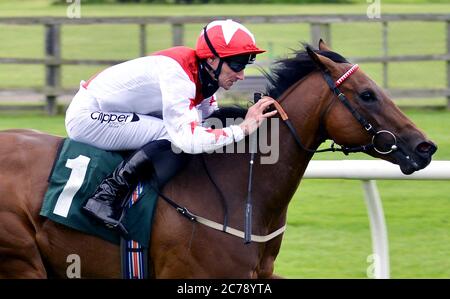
(117, 225)
(110, 223)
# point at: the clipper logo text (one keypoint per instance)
(111, 117)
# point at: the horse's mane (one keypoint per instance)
(288, 71)
(283, 74)
(230, 112)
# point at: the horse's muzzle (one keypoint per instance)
(416, 159)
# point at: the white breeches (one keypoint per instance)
(85, 122)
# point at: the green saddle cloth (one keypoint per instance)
(76, 173)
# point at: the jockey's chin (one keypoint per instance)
(227, 85)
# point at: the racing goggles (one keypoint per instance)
(239, 62)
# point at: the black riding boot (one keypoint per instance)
(155, 159)
(108, 202)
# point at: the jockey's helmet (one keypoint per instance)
(226, 38)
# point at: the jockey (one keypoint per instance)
(149, 103)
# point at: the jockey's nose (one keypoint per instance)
(240, 75)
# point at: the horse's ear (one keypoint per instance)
(323, 46)
(315, 58)
(322, 62)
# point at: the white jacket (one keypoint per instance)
(165, 83)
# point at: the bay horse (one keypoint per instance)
(32, 246)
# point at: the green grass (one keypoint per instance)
(328, 231)
(33, 120)
(329, 235)
(121, 42)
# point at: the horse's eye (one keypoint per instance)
(367, 96)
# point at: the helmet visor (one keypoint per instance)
(239, 62)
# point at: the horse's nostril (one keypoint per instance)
(426, 148)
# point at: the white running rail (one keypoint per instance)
(368, 171)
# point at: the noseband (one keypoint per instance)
(364, 122)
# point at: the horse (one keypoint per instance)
(31, 246)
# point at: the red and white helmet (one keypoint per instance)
(228, 38)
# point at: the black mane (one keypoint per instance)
(225, 113)
(286, 72)
(283, 74)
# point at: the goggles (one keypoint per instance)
(239, 62)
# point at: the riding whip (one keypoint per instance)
(248, 206)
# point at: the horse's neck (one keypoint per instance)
(284, 176)
(275, 184)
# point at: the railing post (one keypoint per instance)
(177, 34)
(142, 39)
(320, 31)
(385, 54)
(378, 228)
(52, 69)
(448, 64)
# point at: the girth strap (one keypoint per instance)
(219, 226)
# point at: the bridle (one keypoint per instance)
(334, 86)
(368, 127)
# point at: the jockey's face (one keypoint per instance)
(227, 76)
